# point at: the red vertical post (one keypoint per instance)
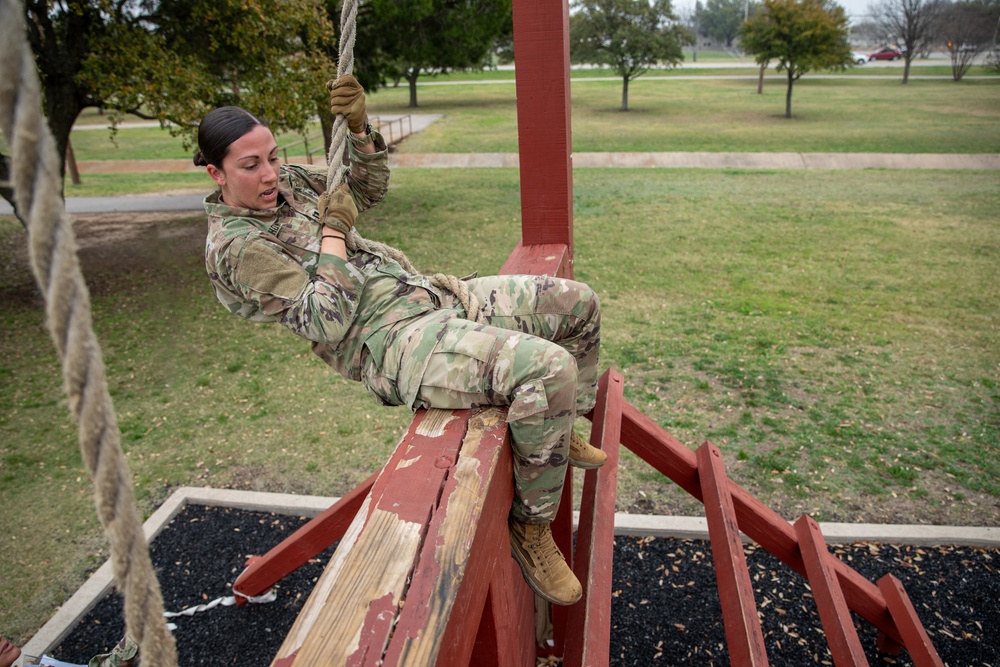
(541, 47)
(589, 622)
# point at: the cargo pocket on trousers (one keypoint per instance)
(529, 405)
(461, 362)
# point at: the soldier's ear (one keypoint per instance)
(217, 175)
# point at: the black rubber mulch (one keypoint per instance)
(665, 608)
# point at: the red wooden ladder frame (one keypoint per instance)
(730, 510)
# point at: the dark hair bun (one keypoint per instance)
(199, 159)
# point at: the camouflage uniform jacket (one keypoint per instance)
(265, 266)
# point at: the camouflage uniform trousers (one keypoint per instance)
(536, 355)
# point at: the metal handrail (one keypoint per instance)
(305, 145)
(387, 128)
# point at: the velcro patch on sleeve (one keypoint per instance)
(264, 269)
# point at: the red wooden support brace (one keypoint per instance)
(739, 611)
(589, 622)
(762, 524)
(509, 613)
(915, 638)
(833, 611)
(262, 572)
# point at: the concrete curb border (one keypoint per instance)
(635, 525)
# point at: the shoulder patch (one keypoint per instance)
(264, 269)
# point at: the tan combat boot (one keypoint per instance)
(583, 455)
(542, 563)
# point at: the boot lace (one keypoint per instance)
(543, 548)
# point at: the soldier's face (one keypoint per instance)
(249, 173)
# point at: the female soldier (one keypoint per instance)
(276, 251)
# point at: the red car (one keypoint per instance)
(888, 53)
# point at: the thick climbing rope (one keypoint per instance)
(37, 181)
(335, 176)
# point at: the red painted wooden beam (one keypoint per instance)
(552, 259)
(506, 636)
(915, 638)
(766, 527)
(589, 622)
(834, 613)
(262, 572)
(488, 557)
(541, 42)
(739, 610)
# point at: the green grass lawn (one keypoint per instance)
(852, 114)
(716, 115)
(834, 333)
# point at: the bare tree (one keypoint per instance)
(968, 29)
(912, 23)
(868, 33)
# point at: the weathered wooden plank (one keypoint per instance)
(762, 524)
(446, 598)
(389, 594)
(552, 619)
(337, 606)
(589, 622)
(915, 639)
(541, 38)
(841, 635)
(739, 610)
(320, 532)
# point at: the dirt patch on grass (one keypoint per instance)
(109, 246)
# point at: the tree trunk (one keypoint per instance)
(326, 124)
(760, 79)
(61, 109)
(906, 67)
(74, 172)
(625, 93)
(788, 95)
(6, 190)
(411, 77)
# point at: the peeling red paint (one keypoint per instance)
(421, 477)
(287, 661)
(375, 631)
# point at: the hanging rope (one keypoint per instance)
(37, 180)
(335, 176)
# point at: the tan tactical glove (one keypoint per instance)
(338, 211)
(347, 98)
